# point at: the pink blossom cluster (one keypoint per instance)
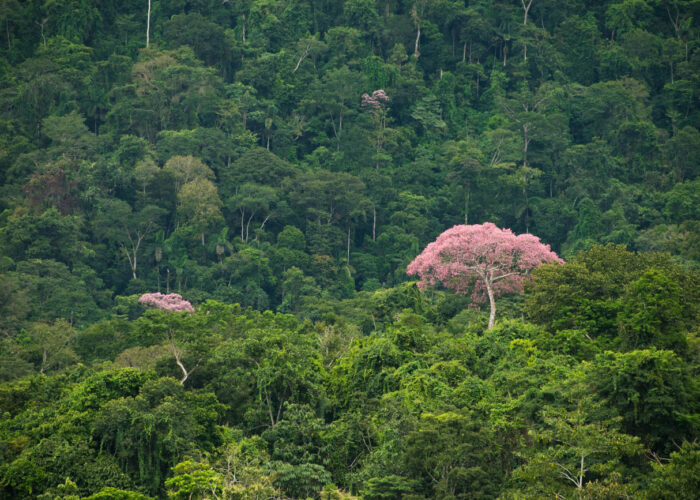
(169, 302)
(377, 100)
(468, 258)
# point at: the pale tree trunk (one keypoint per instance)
(492, 303)
(526, 142)
(575, 477)
(675, 21)
(135, 242)
(242, 223)
(185, 374)
(416, 49)
(131, 258)
(41, 24)
(177, 354)
(247, 226)
(466, 203)
(374, 223)
(148, 25)
(526, 8)
(302, 57)
(268, 402)
(417, 21)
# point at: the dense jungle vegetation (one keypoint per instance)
(279, 163)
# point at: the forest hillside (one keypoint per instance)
(207, 213)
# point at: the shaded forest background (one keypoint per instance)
(246, 157)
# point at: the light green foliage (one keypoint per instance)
(199, 205)
(574, 457)
(677, 476)
(193, 480)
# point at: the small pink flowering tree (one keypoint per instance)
(376, 104)
(169, 302)
(175, 330)
(481, 258)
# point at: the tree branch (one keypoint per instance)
(304, 55)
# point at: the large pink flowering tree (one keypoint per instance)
(481, 258)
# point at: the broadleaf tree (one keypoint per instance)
(478, 258)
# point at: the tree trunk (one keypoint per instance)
(374, 223)
(148, 25)
(242, 223)
(247, 226)
(526, 142)
(133, 269)
(302, 57)
(177, 355)
(416, 49)
(526, 8)
(492, 302)
(185, 375)
(466, 203)
(347, 260)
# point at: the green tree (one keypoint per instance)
(576, 457)
(199, 205)
(52, 343)
(116, 222)
(679, 476)
(652, 392)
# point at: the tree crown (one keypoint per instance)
(468, 258)
(169, 302)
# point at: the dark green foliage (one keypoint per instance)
(677, 477)
(235, 161)
(652, 391)
(151, 432)
(627, 298)
(450, 453)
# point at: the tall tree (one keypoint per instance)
(480, 257)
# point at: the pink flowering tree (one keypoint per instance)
(178, 332)
(376, 104)
(169, 302)
(481, 258)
